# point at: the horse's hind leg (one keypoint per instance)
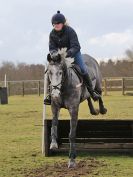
(102, 109)
(93, 111)
(54, 137)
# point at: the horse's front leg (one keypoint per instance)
(55, 112)
(72, 135)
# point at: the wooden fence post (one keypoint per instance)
(38, 88)
(8, 87)
(123, 86)
(22, 88)
(5, 82)
(105, 87)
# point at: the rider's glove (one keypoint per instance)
(69, 54)
(54, 56)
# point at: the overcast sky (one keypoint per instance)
(104, 27)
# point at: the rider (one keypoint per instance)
(63, 36)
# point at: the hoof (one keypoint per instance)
(71, 163)
(103, 111)
(53, 146)
(95, 112)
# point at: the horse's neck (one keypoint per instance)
(71, 78)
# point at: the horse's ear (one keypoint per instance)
(49, 57)
(59, 58)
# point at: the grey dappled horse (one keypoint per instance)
(67, 91)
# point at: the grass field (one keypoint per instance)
(20, 138)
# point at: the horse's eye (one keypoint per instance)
(60, 72)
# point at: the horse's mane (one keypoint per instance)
(63, 53)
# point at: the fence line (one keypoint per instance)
(124, 86)
(23, 87)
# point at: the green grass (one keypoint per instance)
(20, 138)
(118, 107)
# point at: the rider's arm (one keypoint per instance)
(74, 43)
(52, 46)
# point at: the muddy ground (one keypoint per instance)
(84, 167)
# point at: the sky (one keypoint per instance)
(104, 27)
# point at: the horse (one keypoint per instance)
(68, 91)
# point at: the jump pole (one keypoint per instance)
(44, 131)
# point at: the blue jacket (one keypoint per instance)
(67, 37)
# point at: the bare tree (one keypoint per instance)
(129, 54)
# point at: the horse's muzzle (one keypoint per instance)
(55, 94)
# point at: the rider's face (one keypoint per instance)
(58, 26)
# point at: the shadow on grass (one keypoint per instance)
(94, 154)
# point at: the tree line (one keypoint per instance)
(22, 71)
(120, 68)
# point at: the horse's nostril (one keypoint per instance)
(55, 96)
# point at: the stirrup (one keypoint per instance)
(47, 100)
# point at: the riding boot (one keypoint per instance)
(47, 100)
(95, 96)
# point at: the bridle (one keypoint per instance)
(64, 75)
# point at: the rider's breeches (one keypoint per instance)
(80, 62)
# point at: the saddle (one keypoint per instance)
(79, 73)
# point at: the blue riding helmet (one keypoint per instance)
(58, 18)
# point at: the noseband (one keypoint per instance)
(54, 87)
